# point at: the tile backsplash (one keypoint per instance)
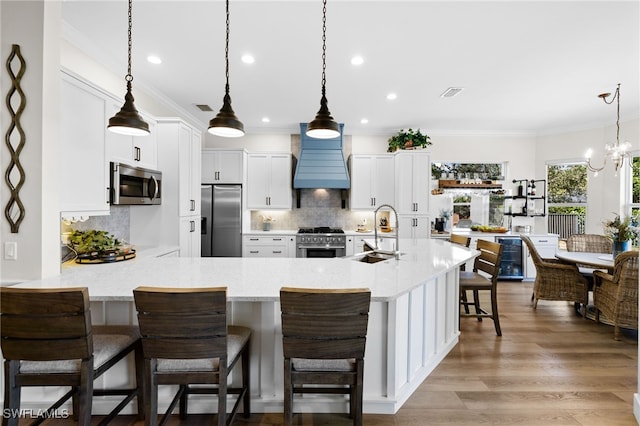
(117, 223)
(318, 207)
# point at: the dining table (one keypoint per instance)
(592, 260)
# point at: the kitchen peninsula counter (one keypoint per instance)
(413, 320)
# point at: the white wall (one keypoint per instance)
(605, 193)
(34, 26)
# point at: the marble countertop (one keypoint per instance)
(260, 279)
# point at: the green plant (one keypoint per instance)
(408, 139)
(620, 229)
(93, 242)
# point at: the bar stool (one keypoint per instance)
(323, 338)
(484, 277)
(48, 340)
(185, 341)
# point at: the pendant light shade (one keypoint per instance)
(323, 126)
(225, 123)
(128, 121)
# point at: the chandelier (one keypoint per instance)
(617, 152)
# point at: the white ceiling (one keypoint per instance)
(526, 66)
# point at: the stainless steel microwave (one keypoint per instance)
(134, 185)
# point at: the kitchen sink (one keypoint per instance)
(374, 257)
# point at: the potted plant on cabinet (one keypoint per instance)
(409, 139)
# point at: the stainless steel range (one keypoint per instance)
(321, 241)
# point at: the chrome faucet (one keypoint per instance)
(396, 252)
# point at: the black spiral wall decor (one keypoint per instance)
(15, 211)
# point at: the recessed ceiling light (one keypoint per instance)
(364, 121)
(266, 120)
(248, 59)
(357, 60)
(451, 92)
(154, 59)
(392, 96)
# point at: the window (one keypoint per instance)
(492, 171)
(567, 198)
(480, 205)
(633, 195)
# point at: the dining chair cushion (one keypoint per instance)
(302, 364)
(236, 339)
(105, 347)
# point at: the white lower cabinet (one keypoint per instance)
(546, 245)
(413, 227)
(190, 236)
(258, 245)
(350, 248)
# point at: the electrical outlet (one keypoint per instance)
(11, 250)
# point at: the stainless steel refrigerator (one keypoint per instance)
(221, 226)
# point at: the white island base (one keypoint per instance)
(413, 322)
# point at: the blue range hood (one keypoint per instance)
(321, 163)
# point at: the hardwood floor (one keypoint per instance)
(550, 367)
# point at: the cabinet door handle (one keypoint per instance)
(217, 175)
(254, 251)
(193, 226)
(136, 153)
(276, 239)
(254, 239)
(193, 205)
(277, 251)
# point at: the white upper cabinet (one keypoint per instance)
(138, 151)
(269, 181)
(222, 166)
(179, 147)
(84, 171)
(372, 181)
(413, 177)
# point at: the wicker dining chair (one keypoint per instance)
(590, 243)
(616, 296)
(556, 280)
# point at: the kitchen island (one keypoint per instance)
(413, 321)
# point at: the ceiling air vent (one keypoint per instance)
(451, 92)
(203, 107)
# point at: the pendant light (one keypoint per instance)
(127, 121)
(226, 124)
(323, 126)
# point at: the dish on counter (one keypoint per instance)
(492, 229)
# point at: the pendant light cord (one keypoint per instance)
(324, 46)
(226, 53)
(129, 77)
(616, 96)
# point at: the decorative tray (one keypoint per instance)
(491, 229)
(105, 258)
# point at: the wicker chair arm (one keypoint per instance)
(558, 264)
(600, 276)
